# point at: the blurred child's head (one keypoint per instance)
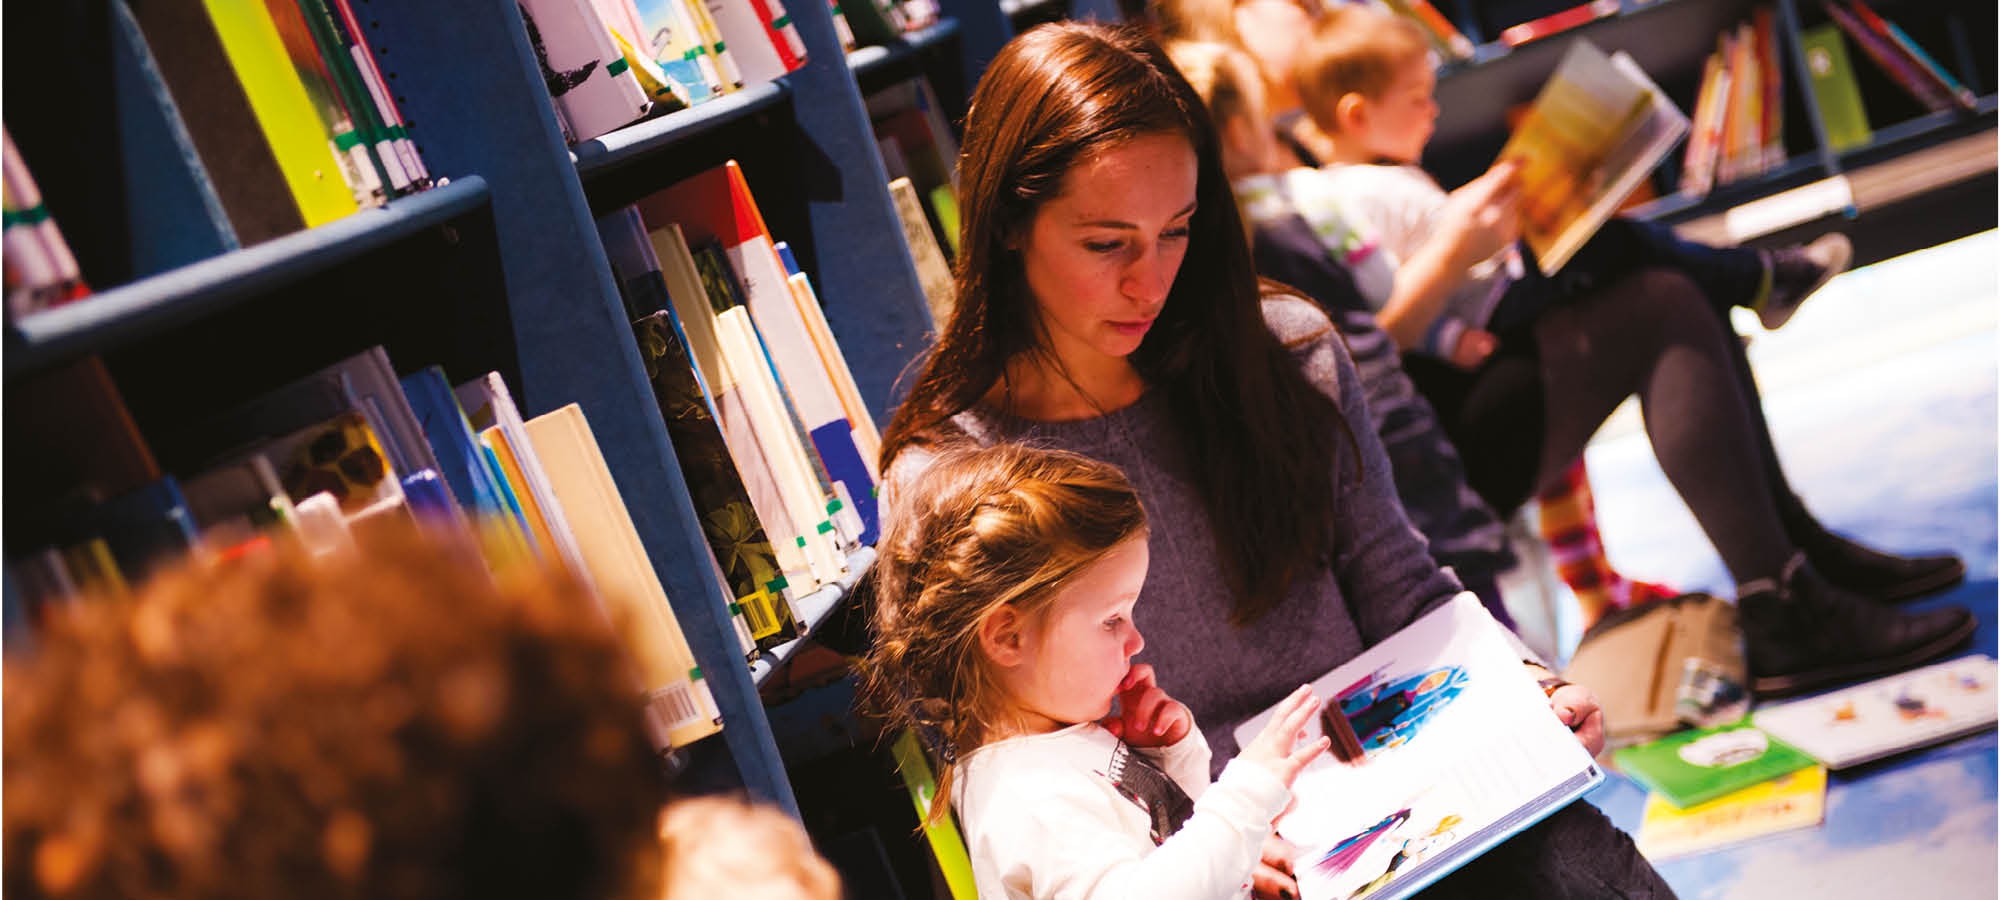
(725, 847)
(391, 721)
(990, 554)
(1234, 91)
(1366, 78)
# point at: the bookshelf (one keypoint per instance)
(500, 269)
(1670, 39)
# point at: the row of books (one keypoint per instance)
(316, 458)
(40, 271)
(609, 63)
(1738, 128)
(1712, 787)
(769, 430)
(286, 107)
(920, 154)
(1890, 49)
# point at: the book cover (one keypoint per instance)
(1598, 128)
(784, 36)
(215, 108)
(1456, 750)
(285, 116)
(237, 500)
(692, 309)
(1836, 95)
(747, 35)
(711, 34)
(1889, 715)
(867, 439)
(717, 205)
(360, 170)
(680, 708)
(1702, 764)
(1557, 23)
(728, 519)
(674, 42)
(1785, 803)
(463, 463)
(933, 272)
(341, 457)
(585, 73)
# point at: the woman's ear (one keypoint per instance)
(1002, 637)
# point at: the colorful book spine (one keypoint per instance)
(1445, 36)
(784, 36)
(585, 73)
(285, 115)
(337, 46)
(1905, 72)
(1556, 23)
(40, 270)
(1836, 95)
(1939, 77)
(726, 66)
(747, 34)
(675, 42)
(1771, 77)
(1698, 165)
(393, 124)
(360, 171)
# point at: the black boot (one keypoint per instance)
(1801, 632)
(1872, 573)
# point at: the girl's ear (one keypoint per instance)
(1002, 637)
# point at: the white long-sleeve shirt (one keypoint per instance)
(1077, 814)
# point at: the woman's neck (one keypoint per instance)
(1041, 388)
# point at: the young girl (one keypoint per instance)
(1004, 612)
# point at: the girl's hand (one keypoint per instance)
(1482, 217)
(1147, 717)
(1474, 346)
(1273, 878)
(1277, 747)
(1577, 707)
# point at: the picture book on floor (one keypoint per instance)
(1785, 803)
(1597, 129)
(1451, 748)
(1705, 763)
(1889, 715)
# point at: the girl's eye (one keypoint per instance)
(1113, 622)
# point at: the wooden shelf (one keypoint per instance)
(117, 315)
(813, 609)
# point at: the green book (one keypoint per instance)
(947, 844)
(1834, 89)
(1697, 766)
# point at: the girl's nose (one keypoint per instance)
(1135, 643)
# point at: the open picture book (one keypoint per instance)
(1450, 747)
(1891, 714)
(1597, 129)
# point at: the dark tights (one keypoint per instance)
(1654, 334)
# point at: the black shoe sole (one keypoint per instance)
(1924, 586)
(1768, 686)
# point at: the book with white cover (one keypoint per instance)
(1454, 748)
(1886, 716)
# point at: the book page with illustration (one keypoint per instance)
(1452, 748)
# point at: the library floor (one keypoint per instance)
(1882, 395)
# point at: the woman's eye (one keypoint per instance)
(1102, 246)
(1175, 234)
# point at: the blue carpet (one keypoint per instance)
(1882, 399)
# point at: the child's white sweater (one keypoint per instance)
(1076, 814)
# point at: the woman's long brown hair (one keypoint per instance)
(1260, 437)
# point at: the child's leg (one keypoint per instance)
(1569, 524)
(1728, 276)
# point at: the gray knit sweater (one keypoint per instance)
(1382, 576)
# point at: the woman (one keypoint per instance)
(1107, 305)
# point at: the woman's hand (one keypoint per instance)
(1277, 747)
(1483, 217)
(1273, 878)
(1147, 717)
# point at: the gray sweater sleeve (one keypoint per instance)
(1383, 564)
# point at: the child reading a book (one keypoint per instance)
(1367, 80)
(1005, 602)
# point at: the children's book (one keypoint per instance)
(285, 116)
(490, 409)
(586, 74)
(1889, 715)
(933, 272)
(1785, 803)
(1835, 92)
(1453, 748)
(1597, 129)
(1700, 765)
(1558, 22)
